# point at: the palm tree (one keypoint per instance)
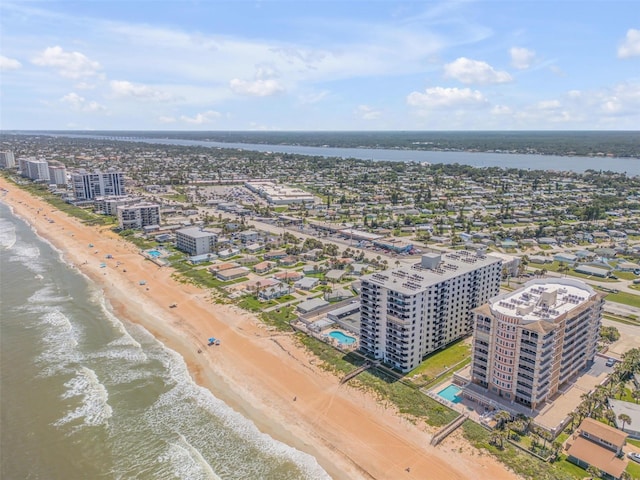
(501, 418)
(610, 416)
(636, 394)
(625, 419)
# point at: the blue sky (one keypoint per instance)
(320, 65)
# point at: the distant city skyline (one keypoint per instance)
(319, 65)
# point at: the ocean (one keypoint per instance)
(86, 395)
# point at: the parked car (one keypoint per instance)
(634, 456)
(610, 362)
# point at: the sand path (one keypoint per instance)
(256, 371)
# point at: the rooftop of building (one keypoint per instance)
(545, 299)
(433, 268)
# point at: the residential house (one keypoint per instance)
(597, 444)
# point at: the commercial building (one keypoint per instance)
(195, 241)
(279, 194)
(138, 216)
(529, 342)
(7, 159)
(87, 186)
(411, 311)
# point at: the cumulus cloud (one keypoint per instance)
(365, 112)
(81, 104)
(440, 97)
(548, 105)
(521, 58)
(256, 88)
(470, 71)
(201, 118)
(501, 110)
(166, 119)
(124, 89)
(631, 45)
(73, 65)
(623, 99)
(7, 63)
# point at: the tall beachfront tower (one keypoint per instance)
(409, 312)
(528, 343)
(87, 186)
(7, 159)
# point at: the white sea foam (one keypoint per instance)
(60, 342)
(7, 234)
(28, 255)
(186, 461)
(94, 408)
(185, 408)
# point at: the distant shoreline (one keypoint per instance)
(537, 160)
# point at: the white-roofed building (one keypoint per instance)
(530, 342)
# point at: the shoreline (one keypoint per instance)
(348, 433)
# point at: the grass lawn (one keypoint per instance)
(624, 298)
(279, 317)
(439, 361)
(633, 469)
(520, 462)
(633, 442)
(409, 400)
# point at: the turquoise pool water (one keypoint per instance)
(154, 253)
(451, 393)
(342, 338)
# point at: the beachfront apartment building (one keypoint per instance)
(138, 216)
(195, 241)
(34, 169)
(87, 186)
(109, 205)
(57, 175)
(411, 311)
(7, 159)
(529, 342)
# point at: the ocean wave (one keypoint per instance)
(220, 434)
(185, 461)
(27, 255)
(60, 343)
(94, 408)
(7, 234)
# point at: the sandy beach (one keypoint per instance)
(257, 371)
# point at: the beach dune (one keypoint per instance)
(255, 370)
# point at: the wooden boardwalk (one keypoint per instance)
(367, 365)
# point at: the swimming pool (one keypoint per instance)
(451, 393)
(342, 338)
(154, 253)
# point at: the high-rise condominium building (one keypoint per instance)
(7, 159)
(138, 216)
(409, 312)
(528, 343)
(87, 186)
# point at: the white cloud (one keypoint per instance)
(81, 104)
(501, 110)
(201, 118)
(256, 88)
(631, 45)
(313, 97)
(365, 112)
(166, 119)
(548, 105)
(7, 63)
(124, 89)
(623, 99)
(69, 64)
(440, 97)
(470, 71)
(521, 58)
